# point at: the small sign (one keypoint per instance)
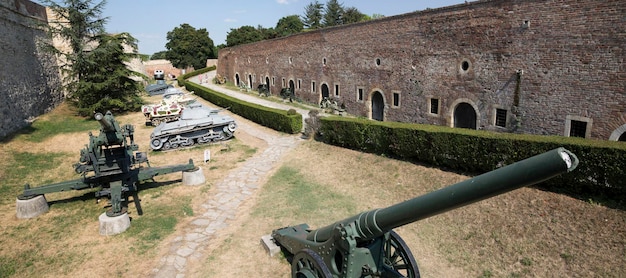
(207, 156)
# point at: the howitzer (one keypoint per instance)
(110, 162)
(365, 245)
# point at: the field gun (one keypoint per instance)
(110, 161)
(365, 245)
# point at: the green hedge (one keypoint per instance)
(280, 120)
(182, 79)
(601, 170)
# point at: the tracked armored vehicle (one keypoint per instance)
(197, 125)
(160, 87)
(169, 109)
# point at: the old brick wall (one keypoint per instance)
(29, 81)
(542, 61)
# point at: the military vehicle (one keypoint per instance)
(197, 124)
(112, 163)
(365, 245)
(169, 109)
(161, 86)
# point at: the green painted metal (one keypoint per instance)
(110, 162)
(353, 247)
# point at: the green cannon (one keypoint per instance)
(365, 245)
(110, 162)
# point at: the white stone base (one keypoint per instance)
(32, 207)
(194, 177)
(270, 246)
(113, 225)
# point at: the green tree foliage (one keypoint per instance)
(289, 25)
(106, 84)
(353, 15)
(158, 55)
(312, 18)
(188, 47)
(333, 13)
(95, 76)
(244, 34)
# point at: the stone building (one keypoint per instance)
(551, 67)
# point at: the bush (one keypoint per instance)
(601, 169)
(280, 120)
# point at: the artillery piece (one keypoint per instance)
(111, 162)
(365, 245)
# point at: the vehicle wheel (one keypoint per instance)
(308, 264)
(398, 257)
(156, 144)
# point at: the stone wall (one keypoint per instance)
(29, 80)
(546, 64)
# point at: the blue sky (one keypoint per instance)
(149, 20)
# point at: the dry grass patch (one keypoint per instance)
(524, 233)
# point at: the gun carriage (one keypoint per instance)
(111, 162)
(365, 245)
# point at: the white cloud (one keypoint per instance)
(286, 2)
(230, 20)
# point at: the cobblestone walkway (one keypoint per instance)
(240, 184)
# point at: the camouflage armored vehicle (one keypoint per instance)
(169, 109)
(197, 124)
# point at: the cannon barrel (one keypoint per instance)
(106, 123)
(375, 223)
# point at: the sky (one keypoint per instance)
(148, 21)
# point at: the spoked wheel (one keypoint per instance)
(308, 264)
(398, 257)
(167, 146)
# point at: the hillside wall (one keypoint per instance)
(29, 80)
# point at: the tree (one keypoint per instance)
(188, 47)
(333, 13)
(244, 34)
(93, 59)
(106, 84)
(353, 15)
(289, 25)
(158, 55)
(312, 18)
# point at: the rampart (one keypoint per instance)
(533, 66)
(29, 79)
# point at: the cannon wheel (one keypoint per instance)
(399, 258)
(308, 264)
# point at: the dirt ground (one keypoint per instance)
(524, 233)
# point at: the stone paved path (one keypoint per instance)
(240, 184)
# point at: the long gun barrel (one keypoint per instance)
(106, 123)
(365, 245)
(527, 172)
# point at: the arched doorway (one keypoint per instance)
(236, 79)
(378, 106)
(292, 87)
(267, 82)
(250, 80)
(619, 134)
(325, 91)
(464, 116)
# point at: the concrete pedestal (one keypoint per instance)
(31, 207)
(194, 177)
(113, 225)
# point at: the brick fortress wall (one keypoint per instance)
(29, 81)
(544, 62)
